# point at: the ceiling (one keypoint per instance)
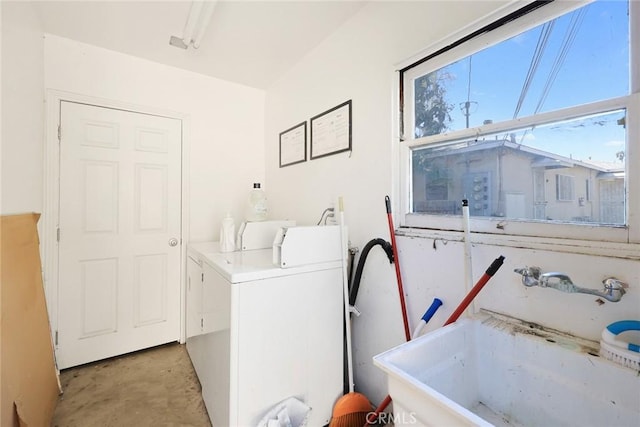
(249, 42)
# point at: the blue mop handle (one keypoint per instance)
(435, 305)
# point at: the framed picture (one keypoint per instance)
(293, 145)
(331, 131)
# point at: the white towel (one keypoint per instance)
(290, 412)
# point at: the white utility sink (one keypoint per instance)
(495, 370)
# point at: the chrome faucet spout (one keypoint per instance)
(613, 290)
(559, 281)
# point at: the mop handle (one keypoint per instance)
(403, 305)
(427, 316)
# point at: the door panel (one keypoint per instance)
(99, 278)
(100, 196)
(119, 278)
(150, 289)
(150, 198)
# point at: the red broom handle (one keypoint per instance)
(371, 418)
(403, 305)
(495, 265)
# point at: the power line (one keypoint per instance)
(576, 21)
(543, 40)
(577, 18)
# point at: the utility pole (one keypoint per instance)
(466, 112)
(466, 106)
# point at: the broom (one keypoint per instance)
(351, 409)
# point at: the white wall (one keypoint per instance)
(230, 138)
(357, 62)
(225, 120)
(22, 109)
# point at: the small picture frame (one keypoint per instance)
(293, 145)
(331, 131)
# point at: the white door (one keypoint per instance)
(120, 237)
(539, 196)
(612, 201)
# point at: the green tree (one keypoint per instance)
(431, 109)
(431, 113)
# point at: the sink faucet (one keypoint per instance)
(533, 276)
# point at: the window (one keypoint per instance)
(513, 127)
(564, 188)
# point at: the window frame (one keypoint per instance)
(629, 233)
(562, 181)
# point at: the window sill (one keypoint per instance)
(565, 245)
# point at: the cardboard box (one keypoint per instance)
(29, 389)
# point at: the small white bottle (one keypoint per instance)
(227, 234)
(257, 209)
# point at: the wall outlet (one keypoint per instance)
(332, 216)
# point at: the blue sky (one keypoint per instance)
(595, 67)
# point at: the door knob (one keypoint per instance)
(173, 241)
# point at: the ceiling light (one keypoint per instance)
(197, 22)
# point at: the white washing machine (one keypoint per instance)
(259, 334)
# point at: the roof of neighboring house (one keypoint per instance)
(545, 159)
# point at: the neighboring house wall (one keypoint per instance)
(483, 177)
(503, 182)
(595, 199)
(569, 204)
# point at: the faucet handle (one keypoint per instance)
(611, 283)
(614, 289)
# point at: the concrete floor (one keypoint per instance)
(154, 387)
